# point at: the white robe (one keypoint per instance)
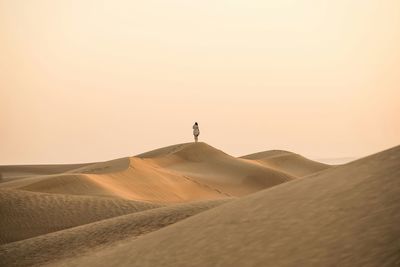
(196, 131)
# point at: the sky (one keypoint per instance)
(84, 81)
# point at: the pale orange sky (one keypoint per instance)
(95, 80)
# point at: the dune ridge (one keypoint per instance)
(16, 172)
(288, 162)
(9, 172)
(208, 165)
(175, 174)
(139, 181)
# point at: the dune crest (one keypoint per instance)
(288, 162)
(179, 173)
(208, 165)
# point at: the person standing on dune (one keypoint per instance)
(196, 131)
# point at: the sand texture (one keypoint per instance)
(194, 205)
(288, 162)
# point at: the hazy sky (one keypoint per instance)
(95, 80)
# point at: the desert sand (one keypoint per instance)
(288, 162)
(194, 205)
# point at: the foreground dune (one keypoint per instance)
(344, 216)
(75, 241)
(29, 214)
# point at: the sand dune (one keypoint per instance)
(13, 172)
(344, 216)
(180, 173)
(73, 184)
(208, 165)
(124, 213)
(85, 238)
(288, 162)
(28, 214)
(20, 171)
(104, 167)
(139, 181)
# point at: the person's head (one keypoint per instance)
(195, 123)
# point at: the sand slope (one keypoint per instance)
(77, 240)
(345, 216)
(208, 165)
(288, 162)
(73, 184)
(28, 214)
(13, 172)
(9, 172)
(139, 181)
(175, 174)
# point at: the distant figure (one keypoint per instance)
(196, 131)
